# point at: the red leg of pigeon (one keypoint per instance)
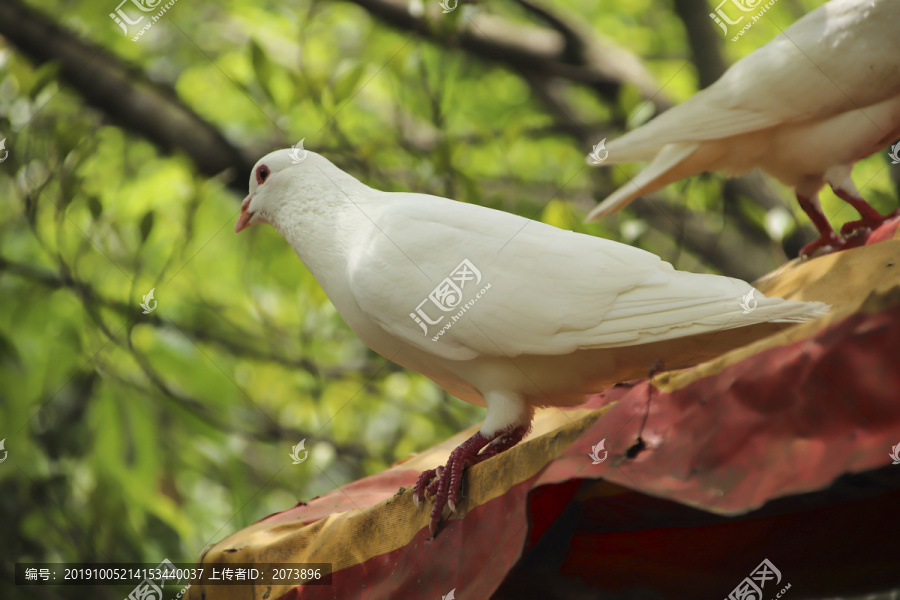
(827, 236)
(450, 474)
(501, 443)
(871, 218)
(449, 477)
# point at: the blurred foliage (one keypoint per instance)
(136, 437)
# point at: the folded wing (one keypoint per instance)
(542, 290)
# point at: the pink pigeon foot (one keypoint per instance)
(864, 227)
(871, 218)
(829, 242)
(828, 239)
(446, 487)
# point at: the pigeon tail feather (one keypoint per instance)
(658, 174)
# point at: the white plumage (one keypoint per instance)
(538, 316)
(803, 108)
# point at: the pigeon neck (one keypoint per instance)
(322, 228)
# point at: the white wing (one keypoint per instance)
(840, 57)
(551, 291)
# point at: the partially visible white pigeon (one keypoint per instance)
(497, 309)
(803, 108)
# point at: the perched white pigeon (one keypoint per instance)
(497, 309)
(803, 108)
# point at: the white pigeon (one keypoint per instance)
(497, 309)
(803, 108)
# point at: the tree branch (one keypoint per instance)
(730, 250)
(547, 58)
(148, 109)
(703, 38)
(561, 52)
(238, 345)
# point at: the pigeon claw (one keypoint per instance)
(829, 242)
(432, 488)
(871, 218)
(857, 227)
(450, 479)
(445, 483)
(419, 491)
(871, 222)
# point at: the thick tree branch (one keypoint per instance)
(703, 37)
(575, 45)
(561, 52)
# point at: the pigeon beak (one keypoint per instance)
(244, 220)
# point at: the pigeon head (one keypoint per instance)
(280, 180)
(267, 189)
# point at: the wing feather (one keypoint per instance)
(839, 57)
(543, 290)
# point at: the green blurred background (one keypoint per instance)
(139, 437)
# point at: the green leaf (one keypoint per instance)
(43, 76)
(346, 83)
(70, 183)
(262, 68)
(146, 225)
(8, 352)
(94, 206)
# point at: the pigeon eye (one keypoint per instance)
(262, 172)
